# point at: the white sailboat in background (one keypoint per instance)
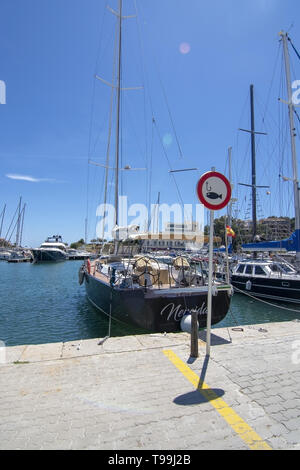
(14, 253)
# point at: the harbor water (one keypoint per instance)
(44, 303)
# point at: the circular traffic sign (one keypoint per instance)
(214, 190)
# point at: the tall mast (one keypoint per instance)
(109, 136)
(118, 116)
(229, 207)
(22, 223)
(284, 37)
(157, 217)
(18, 224)
(2, 214)
(253, 163)
(85, 230)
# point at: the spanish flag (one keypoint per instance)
(229, 231)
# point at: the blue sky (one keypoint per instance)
(202, 55)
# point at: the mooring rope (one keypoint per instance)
(109, 321)
(265, 302)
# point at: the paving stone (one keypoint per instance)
(41, 352)
(126, 394)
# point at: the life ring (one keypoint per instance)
(88, 263)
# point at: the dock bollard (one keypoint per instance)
(194, 334)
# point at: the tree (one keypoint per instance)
(242, 229)
(76, 245)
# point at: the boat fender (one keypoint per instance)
(81, 275)
(248, 285)
(186, 323)
(214, 291)
(88, 264)
(113, 277)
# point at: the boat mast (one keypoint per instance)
(22, 223)
(284, 37)
(2, 215)
(118, 86)
(109, 136)
(229, 207)
(253, 164)
(18, 224)
(229, 213)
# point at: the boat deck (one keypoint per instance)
(162, 286)
(98, 275)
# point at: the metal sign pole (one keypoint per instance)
(209, 294)
(214, 192)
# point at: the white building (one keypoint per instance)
(175, 237)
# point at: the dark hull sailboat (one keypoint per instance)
(157, 308)
(142, 292)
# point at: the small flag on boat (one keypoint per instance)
(229, 231)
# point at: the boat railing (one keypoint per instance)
(149, 272)
(284, 261)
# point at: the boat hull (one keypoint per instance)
(78, 257)
(284, 290)
(19, 260)
(40, 256)
(155, 310)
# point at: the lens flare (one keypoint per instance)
(184, 48)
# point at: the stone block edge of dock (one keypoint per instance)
(230, 336)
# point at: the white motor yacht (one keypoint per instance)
(53, 249)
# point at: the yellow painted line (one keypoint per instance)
(245, 432)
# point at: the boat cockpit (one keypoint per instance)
(147, 272)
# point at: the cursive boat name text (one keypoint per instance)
(178, 312)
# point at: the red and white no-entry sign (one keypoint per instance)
(214, 190)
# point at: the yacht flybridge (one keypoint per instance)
(53, 249)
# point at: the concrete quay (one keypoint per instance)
(145, 392)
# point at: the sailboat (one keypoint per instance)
(139, 289)
(273, 278)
